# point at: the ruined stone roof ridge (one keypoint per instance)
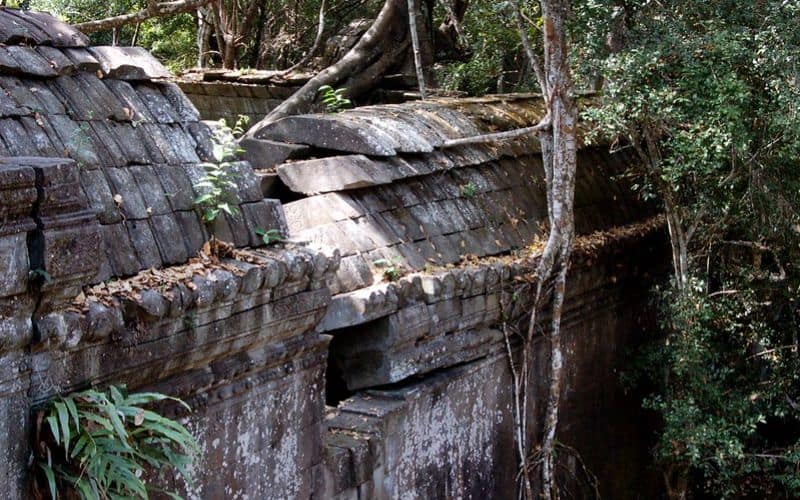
(18, 27)
(137, 142)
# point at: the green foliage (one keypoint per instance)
(334, 100)
(494, 52)
(706, 94)
(270, 236)
(170, 38)
(727, 380)
(217, 187)
(392, 269)
(468, 190)
(104, 444)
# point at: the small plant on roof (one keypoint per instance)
(334, 100)
(469, 190)
(217, 188)
(392, 269)
(270, 236)
(96, 445)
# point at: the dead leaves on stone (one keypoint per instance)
(214, 255)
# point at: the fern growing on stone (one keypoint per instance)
(334, 99)
(97, 445)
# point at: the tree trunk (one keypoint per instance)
(559, 156)
(412, 28)
(387, 31)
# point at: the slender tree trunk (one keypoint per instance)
(412, 28)
(559, 156)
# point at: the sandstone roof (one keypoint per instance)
(137, 140)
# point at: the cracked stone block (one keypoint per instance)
(119, 249)
(193, 231)
(337, 173)
(166, 231)
(151, 189)
(181, 104)
(141, 236)
(157, 104)
(128, 137)
(177, 186)
(264, 215)
(126, 193)
(266, 154)
(248, 185)
(14, 255)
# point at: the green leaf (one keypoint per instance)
(51, 480)
(80, 445)
(63, 418)
(53, 423)
(73, 411)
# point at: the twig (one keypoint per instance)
(498, 136)
(314, 46)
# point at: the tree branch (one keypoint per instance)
(498, 136)
(153, 10)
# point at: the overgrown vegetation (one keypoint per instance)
(217, 188)
(706, 94)
(96, 445)
(270, 236)
(392, 269)
(334, 99)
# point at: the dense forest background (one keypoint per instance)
(707, 94)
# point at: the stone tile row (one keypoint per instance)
(85, 97)
(123, 63)
(150, 313)
(37, 28)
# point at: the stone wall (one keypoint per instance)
(312, 370)
(215, 100)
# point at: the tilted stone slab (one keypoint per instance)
(360, 306)
(411, 137)
(129, 63)
(336, 173)
(262, 153)
(30, 61)
(328, 133)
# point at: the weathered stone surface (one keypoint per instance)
(448, 433)
(266, 154)
(322, 209)
(40, 28)
(360, 306)
(262, 216)
(328, 133)
(337, 173)
(129, 63)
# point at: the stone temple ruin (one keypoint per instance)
(310, 373)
